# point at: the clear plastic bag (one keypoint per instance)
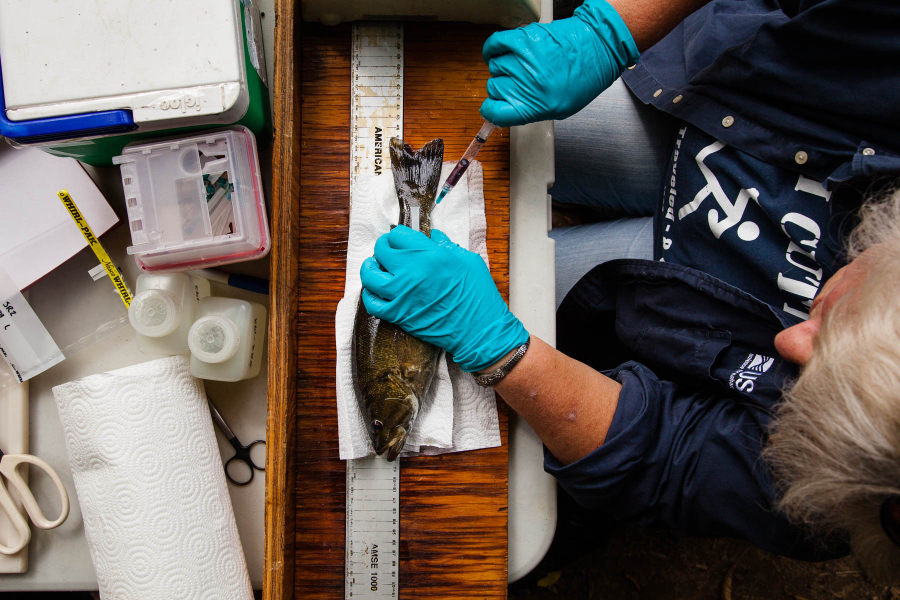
(63, 313)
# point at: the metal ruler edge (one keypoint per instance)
(372, 561)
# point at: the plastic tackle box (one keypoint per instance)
(195, 202)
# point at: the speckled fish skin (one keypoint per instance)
(394, 369)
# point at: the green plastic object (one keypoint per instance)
(99, 152)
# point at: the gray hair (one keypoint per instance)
(835, 443)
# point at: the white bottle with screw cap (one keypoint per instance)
(226, 340)
(163, 310)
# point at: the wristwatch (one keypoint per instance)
(491, 379)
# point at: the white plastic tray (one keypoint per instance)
(532, 298)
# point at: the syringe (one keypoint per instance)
(463, 164)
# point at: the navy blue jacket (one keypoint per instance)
(814, 76)
(699, 381)
(811, 86)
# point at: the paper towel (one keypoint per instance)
(150, 482)
(457, 414)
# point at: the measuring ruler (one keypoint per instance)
(372, 560)
(372, 563)
(376, 96)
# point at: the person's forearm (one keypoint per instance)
(650, 20)
(569, 404)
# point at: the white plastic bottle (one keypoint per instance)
(163, 309)
(226, 340)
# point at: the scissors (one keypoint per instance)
(234, 466)
(9, 469)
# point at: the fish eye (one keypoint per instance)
(377, 425)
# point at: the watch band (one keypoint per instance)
(491, 379)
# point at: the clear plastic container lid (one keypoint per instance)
(155, 313)
(214, 339)
(195, 202)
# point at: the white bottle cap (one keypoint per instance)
(214, 339)
(155, 313)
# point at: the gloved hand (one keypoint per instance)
(553, 70)
(441, 293)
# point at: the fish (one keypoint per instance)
(392, 369)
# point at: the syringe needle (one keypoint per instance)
(480, 138)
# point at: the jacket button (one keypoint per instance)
(657, 93)
(868, 151)
(677, 99)
(728, 121)
(800, 158)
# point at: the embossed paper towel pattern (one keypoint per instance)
(157, 514)
(457, 415)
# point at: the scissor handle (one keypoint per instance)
(16, 519)
(247, 454)
(9, 466)
(242, 454)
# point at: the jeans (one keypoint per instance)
(612, 156)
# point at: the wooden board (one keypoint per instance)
(282, 339)
(453, 507)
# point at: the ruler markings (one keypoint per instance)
(378, 81)
(388, 59)
(373, 492)
(377, 103)
(382, 71)
(380, 91)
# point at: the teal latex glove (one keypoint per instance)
(441, 293)
(553, 70)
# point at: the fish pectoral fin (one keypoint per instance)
(397, 377)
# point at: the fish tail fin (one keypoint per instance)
(416, 179)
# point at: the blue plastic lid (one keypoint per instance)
(64, 127)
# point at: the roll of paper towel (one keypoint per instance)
(157, 514)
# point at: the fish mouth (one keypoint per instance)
(395, 444)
